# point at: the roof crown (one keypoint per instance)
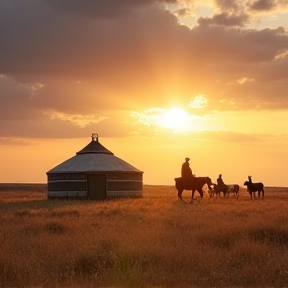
(94, 147)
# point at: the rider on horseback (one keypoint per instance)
(220, 181)
(186, 171)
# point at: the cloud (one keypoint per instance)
(224, 19)
(98, 9)
(252, 6)
(13, 142)
(263, 5)
(83, 58)
(61, 128)
(229, 5)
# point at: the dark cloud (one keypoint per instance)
(251, 6)
(260, 6)
(229, 5)
(102, 9)
(39, 41)
(98, 8)
(225, 19)
(263, 5)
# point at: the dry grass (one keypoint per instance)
(155, 241)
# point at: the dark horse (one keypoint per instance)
(254, 187)
(194, 183)
(220, 188)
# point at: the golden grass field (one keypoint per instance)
(154, 241)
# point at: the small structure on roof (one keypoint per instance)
(94, 173)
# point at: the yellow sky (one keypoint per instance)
(160, 152)
(157, 80)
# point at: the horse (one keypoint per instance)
(226, 189)
(233, 188)
(220, 188)
(193, 184)
(254, 187)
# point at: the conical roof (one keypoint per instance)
(94, 158)
(94, 147)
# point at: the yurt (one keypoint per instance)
(94, 173)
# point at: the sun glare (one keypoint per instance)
(175, 118)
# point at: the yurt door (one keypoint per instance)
(96, 186)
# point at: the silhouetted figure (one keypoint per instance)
(220, 181)
(254, 187)
(186, 171)
(221, 187)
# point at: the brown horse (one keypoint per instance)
(193, 184)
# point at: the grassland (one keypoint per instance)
(154, 241)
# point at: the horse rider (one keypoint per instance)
(220, 181)
(186, 171)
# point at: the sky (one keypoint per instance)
(158, 80)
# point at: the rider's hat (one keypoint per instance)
(187, 159)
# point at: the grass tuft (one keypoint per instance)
(270, 235)
(54, 228)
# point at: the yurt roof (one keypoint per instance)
(94, 158)
(94, 147)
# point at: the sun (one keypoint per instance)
(174, 118)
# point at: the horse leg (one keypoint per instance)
(180, 194)
(201, 193)
(192, 196)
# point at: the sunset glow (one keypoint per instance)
(201, 79)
